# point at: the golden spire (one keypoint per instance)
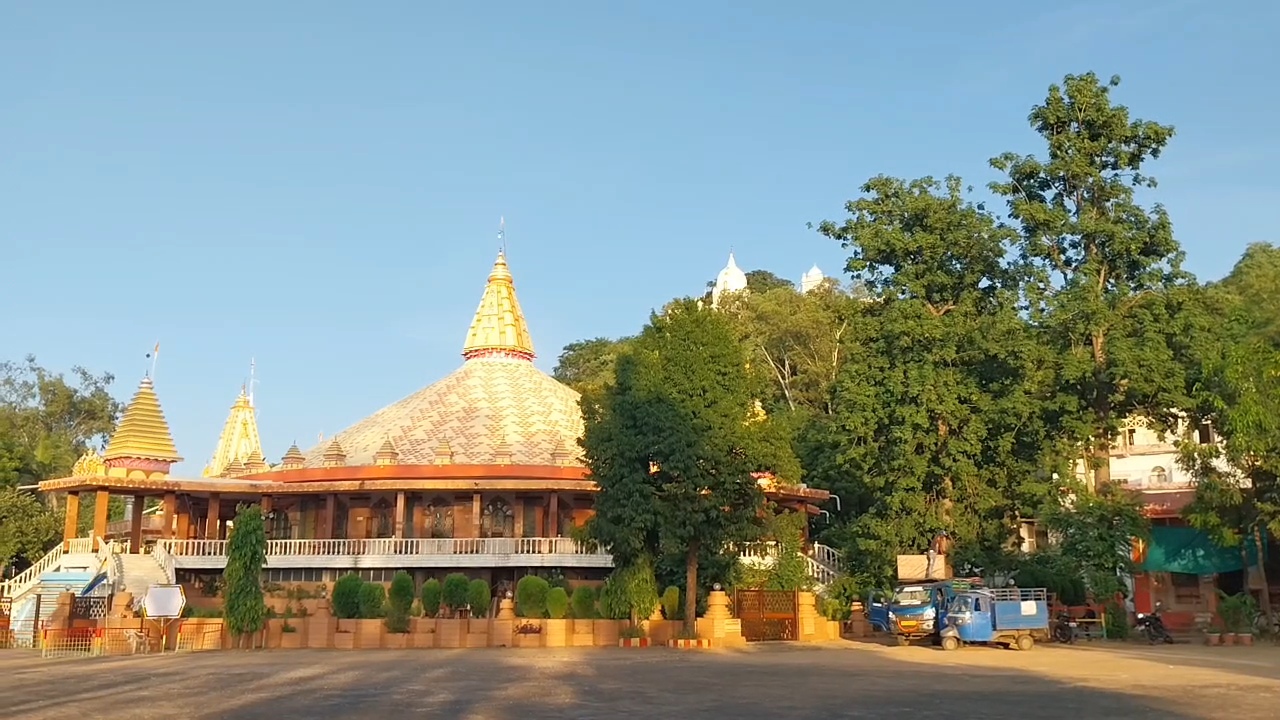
(143, 432)
(499, 326)
(239, 439)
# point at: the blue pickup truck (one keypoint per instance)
(914, 611)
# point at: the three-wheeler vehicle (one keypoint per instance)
(1011, 617)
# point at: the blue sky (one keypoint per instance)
(318, 185)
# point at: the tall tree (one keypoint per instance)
(244, 607)
(588, 365)
(939, 413)
(48, 421)
(1103, 265)
(27, 527)
(674, 441)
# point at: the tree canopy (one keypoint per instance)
(673, 442)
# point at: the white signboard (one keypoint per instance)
(164, 601)
(1028, 607)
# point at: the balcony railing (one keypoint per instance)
(397, 552)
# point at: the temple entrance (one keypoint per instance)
(767, 614)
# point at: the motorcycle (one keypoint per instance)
(1064, 628)
(1153, 627)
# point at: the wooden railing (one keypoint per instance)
(389, 546)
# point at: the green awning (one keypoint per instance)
(1187, 550)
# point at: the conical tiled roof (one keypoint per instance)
(293, 458)
(499, 324)
(143, 432)
(387, 454)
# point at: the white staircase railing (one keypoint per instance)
(160, 553)
(826, 555)
(822, 562)
(29, 578)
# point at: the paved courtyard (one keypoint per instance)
(769, 682)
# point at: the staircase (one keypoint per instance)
(136, 573)
(823, 562)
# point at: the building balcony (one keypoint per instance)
(393, 553)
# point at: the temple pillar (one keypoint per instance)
(184, 526)
(135, 523)
(211, 522)
(267, 505)
(325, 531)
(400, 511)
(71, 523)
(475, 515)
(553, 515)
(419, 518)
(539, 519)
(170, 507)
(100, 508)
(519, 510)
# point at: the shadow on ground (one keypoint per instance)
(774, 682)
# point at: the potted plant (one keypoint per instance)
(1237, 613)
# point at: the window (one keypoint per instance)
(1159, 475)
(497, 520)
(295, 575)
(280, 527)
(530, 521)
(1186, 588)
(439, 518)
(1130, 437)
(376, 575)
(565, 522)
(1204, 434)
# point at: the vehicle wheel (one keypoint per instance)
(1025, 642)
(950, 643)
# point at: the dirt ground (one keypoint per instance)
(765, 681)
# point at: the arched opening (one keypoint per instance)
(497, 520)
(280, 528)
(382, 525)
(439, 518)
(564, 521)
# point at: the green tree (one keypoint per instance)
(243, 606)
(584, 602)
(557, 603)
(455, 592)
(940, 415)
(588, 365)
(630, 591)
(790, 568)
(1095, 532)
(759, 281)
(531, 596)
(27, 527)
(346, 596)
(674, 441)
(431, 596)
(479, 596)
(1105, 269)
(47, 421)
(399, 602)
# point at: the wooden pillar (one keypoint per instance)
(553, 514)
(519, 510)
(400, 510)
(211, 524)
(326, 519)
(100, 506)
(475, 515)
(539, 519)
(71, 524)
(170, 507)
(135, 524)
(184, 525)
(419, 518)
(266, 504)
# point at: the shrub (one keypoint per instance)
(431, 594)
(372, 599)
(399, 602)
(671, 602)
(454, 592)
(531, 596)
(246, 611)
(630, 592)
(415, 610)
(557, 603)
(478, 597)
(584, 602)
(346, 596)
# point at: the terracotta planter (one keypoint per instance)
(344, 640)
(1245, 639)
(606, 632)
(369, 633)
(583, 633)
(290, 640)
(423, 639)
(449, 632)
(1213, 639)
(1228, 638)
(395, 641)
(555, 633)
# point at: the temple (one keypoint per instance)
(480, 472)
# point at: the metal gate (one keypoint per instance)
(767, 614)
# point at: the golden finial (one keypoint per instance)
(499, 327)
(239, 438)
(143, 433)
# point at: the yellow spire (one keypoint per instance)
(143, 432)
(239, 439)
(499, 326)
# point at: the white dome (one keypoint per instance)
(811, 279)
(730, 279)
